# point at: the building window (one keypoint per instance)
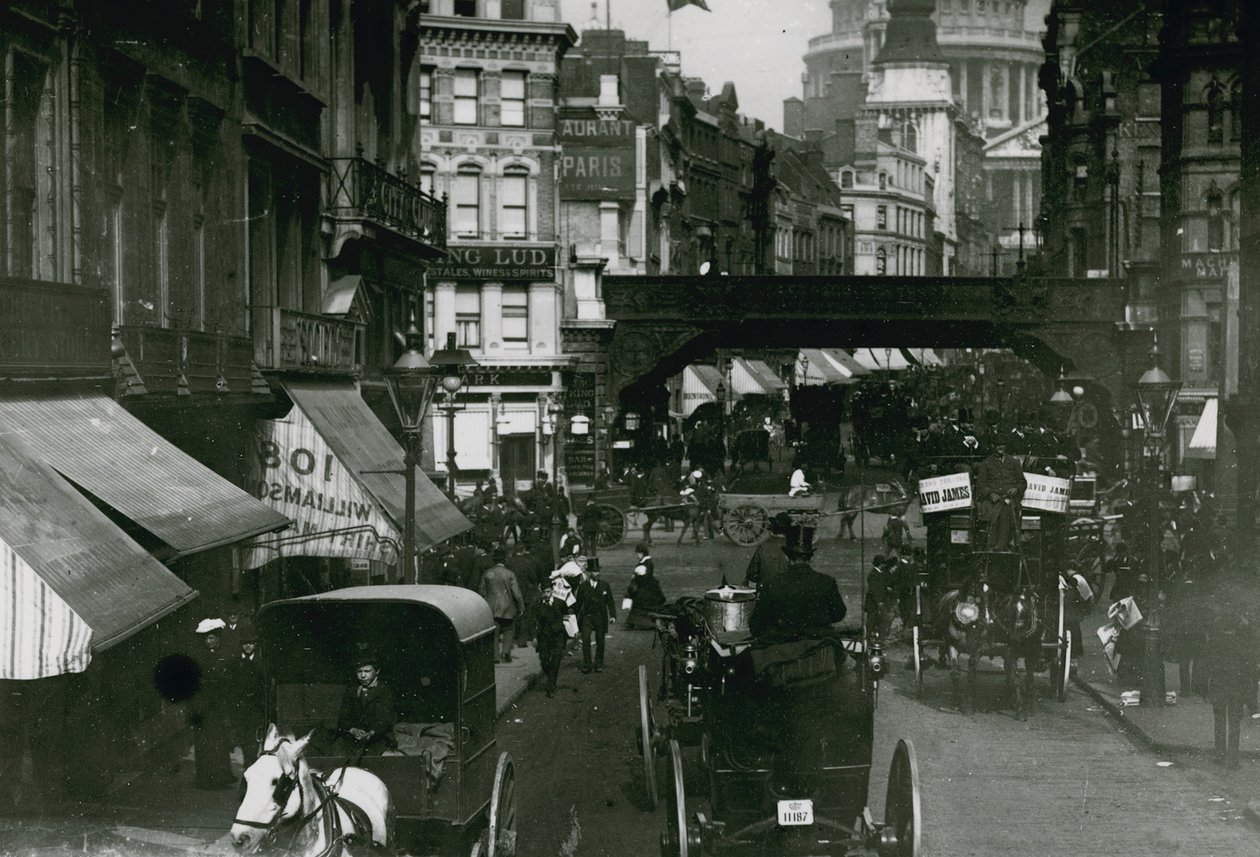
(30, 170)
(514, 208)
(160, 175)
(881, 261)
(515, 318)
(846, 179)
(512, 95)
(1080, 252)
(466, 8)
(1215, 220)
(467, 198)
(1080, 174)
(513, 10)
(468, 316)
(1215, 113)
(426, 93)
(467, 93)
(883, 181)
(910, 137)
(1235, 112)
(427, 174)
(881, 217)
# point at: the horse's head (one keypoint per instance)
(274, 786)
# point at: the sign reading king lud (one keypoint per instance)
(498, 262)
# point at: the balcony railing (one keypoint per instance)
(291, 341)
(362, 189)
(188, 361)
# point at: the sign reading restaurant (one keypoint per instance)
(497, 262)
(598, 157)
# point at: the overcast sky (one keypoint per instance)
(755, 44)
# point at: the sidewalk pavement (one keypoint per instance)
(1184, 728)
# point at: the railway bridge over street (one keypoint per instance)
(663, 323)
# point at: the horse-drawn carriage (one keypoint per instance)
(1009, 602)
(746, 517)
(765, 752)
(449, 789)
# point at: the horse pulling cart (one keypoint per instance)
(451, 791)
(767, 749)
(979, 602)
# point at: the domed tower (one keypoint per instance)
(993, 49)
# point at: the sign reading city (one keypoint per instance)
(942, 493)
(498, 262)
(598, 157)
(1047, 493)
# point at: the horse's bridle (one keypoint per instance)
(280, 795)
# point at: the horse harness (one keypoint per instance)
(334, 835)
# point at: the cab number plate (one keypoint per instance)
(795, 812)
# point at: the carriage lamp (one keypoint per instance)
(412, 382)
(1156, 396)
(632, 421)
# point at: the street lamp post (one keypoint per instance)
(451, 363)
(555, 415)
(1156, 395)
(411, 381)
(720, 393)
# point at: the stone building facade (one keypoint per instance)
(488, 141)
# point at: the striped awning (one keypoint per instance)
(813, 367)
(342, 481)
(96, 444)
(71, 581)
(1203, 441)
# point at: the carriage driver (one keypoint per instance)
(799, 602)
(367, 716)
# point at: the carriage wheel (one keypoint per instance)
(1063, 667)
(647, 747)
(612, 527)
(903, 811)
(674, 840)
(501, 833)
(746, 524)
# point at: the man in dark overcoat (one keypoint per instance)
(248, 712)
(799, 602)
(768, 560)
(503, 593)
(1000, 485)
(595, 609)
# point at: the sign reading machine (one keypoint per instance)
(293, 470)
(598, 158)
(942, 493)
(498, 262)
(1047, 493)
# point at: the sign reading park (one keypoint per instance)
(598, 156)
(498, 262)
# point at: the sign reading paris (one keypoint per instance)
(598, 158)
(498, 262)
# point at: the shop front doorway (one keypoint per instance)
(517, 462)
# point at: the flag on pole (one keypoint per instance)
(675, 5)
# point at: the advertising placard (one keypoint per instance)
(293, 470)
(942, 493)
(597, 161)
(1047, 493)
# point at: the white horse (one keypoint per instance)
(309, 813)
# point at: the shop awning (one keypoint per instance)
(340, 477)
(747, 381)
(106, 452)
(71, 581)
(1203, 441)
(813, 368)
(845, 363)
(881, 359)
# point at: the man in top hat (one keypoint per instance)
(768, 560)
(1000, 485)
(799, 602)
(248, 712)
(367, 713)
(595, 608)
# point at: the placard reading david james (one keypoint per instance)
(498, 262)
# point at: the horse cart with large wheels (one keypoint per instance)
(774, 756)
(746, 517)
(452, 791)
(1009, 602)
(612, 504)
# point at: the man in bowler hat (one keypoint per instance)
(799, 602)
